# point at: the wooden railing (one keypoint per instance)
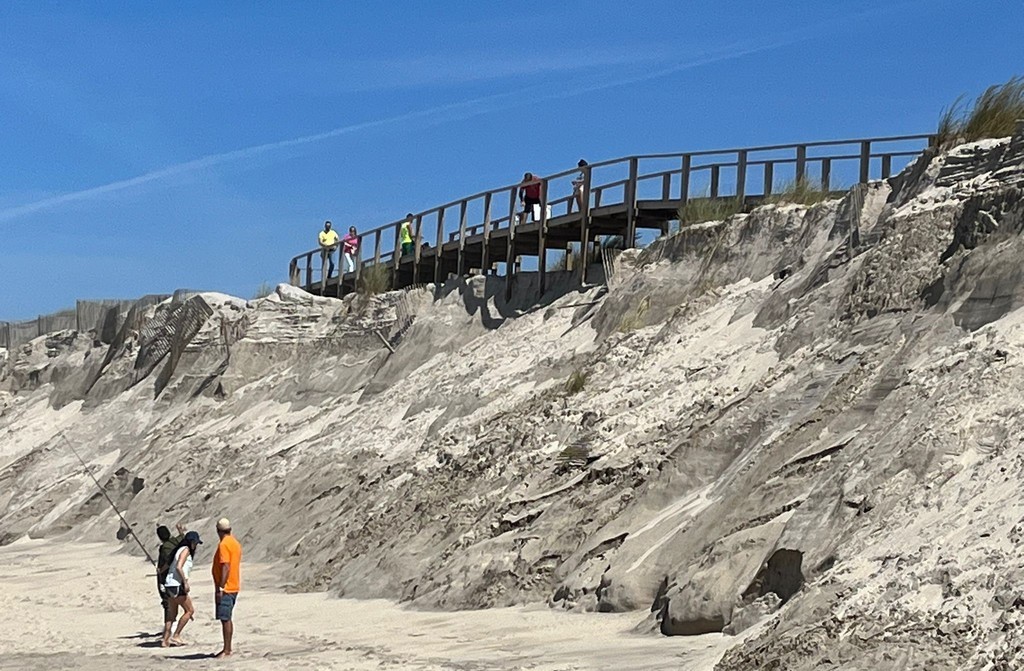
(750, 174)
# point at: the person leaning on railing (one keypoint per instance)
(328, 243)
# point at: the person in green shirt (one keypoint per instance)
(405, 235)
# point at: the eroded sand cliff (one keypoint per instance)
(802, 424)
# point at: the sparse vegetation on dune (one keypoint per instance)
(992, 114)
(373, 280)
(799, 192)
(263, 290)
(703, 209)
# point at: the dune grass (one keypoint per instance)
(799, 192)
(374, 279)
(705, 208)
(263, 290)
(993, 114)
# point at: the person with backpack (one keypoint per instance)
(168, 544)
(177, 587)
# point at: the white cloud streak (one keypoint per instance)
(450, 72)
(449, 112)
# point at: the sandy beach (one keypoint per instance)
(90, 606)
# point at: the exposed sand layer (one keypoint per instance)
(89, 606)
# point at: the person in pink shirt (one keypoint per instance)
(349, 249)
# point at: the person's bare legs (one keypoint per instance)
(169, 616)
(186, 616)
(228, 629)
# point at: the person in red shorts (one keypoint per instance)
(227, 581)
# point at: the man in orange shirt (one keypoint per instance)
(227, 564)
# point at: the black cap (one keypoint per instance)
(193, 537)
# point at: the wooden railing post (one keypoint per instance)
(716, 171)
(886, 166)
(417, 249)
(826, 174)
(461, 265)
(324, 266)
(585, 226)
(376, 248)
(396, 259)
(510, 254)
(309, 271)
(485, 253)
(542, 239)
(769, 178)
(666, 186)
(801, 163)
(865, 161)
(358, 260)
(684, 182)
(634, 170)
(437, 251)
(741, 176)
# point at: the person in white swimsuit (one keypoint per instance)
(177, 588)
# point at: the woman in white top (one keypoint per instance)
(577, 186)
(177, 588)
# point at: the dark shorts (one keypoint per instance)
(175, 591)
(226, 606)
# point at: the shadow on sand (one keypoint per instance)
(141, 634)
(150, 644)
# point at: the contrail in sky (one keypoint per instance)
(229, 157)
(464, 109)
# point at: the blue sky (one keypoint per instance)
(154, 146)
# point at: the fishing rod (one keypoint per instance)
(104, 492)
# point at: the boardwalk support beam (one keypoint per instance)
(634, 173)
(510, 254)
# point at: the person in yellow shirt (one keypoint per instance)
(227, 580)
(328, 243)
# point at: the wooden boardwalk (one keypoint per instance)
(487, 233)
